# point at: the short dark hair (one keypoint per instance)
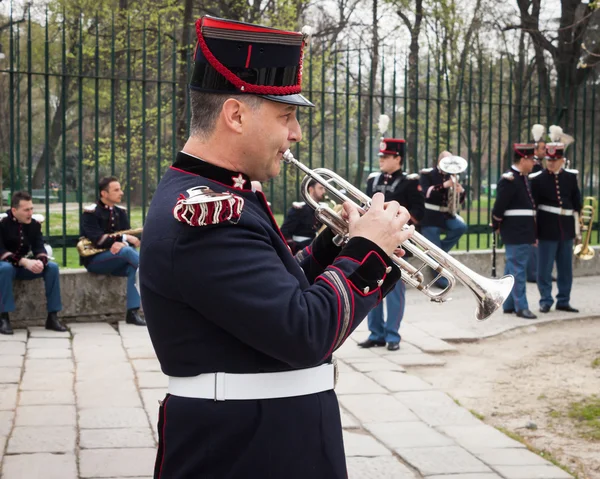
(104, 182)
(205, 109)
(312, 184)
(19, 196)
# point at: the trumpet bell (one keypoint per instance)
(586, 254)
(496, 292)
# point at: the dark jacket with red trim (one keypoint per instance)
(18, 239)
(432, 183)
(98, 221)
(230, 297)
(300, 221)
(401, 187)
(561, 191)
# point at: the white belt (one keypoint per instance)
(556, 210)
(299, 239)
(519, 213)
(225, 386)
(443, 209)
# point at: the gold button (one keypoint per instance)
(388, 270)
(366, 290)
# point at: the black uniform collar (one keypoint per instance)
(557, 173)
(512, 167)
(198, 166)
(103, 205)
(11, 216)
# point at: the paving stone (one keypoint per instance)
(49, 343)
(141, 353)
(474, 438)
(44, 381)
(8, 397)
(532, 472)
(137, 342)
(6, 422)
(58, 439)
(509, 457)
(385, 467)
(152, 380)
(39, 332)
(152, 396)
(421, 359)
(49, 354)
(441, 460)
(96, 372)
(98, 340)
(348, 422)
(112, 417)
(356, 383)
(34, 466)
(375, 408)
(399, 435)
(359, 443)
(117, 462)
(90, 395)
(20, 335)
(143, 365)
(476, 475)
(95, 353)
(396, 382)
(350, 350)
(436, 408)
(49, 365)
(45, 398)
(344, 366)
(12, 348)
(429, 344)
(377, 365)
(45, 416)
(116, 438)
(405, 348)
(10, 375)
(11, 361)
(92, 328)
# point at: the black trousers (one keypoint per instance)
(287, 438)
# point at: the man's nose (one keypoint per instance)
(295, 133)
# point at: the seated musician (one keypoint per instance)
(20, 235)
(102, 223)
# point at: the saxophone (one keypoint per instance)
(86, 248)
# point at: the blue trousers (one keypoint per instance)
(517, 256)
(8, 273)
(124, 263)
(532, 264)
(562, 253)
(455, 228)
(384, 320)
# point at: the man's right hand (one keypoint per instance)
(116, 247)
(33, 265)
(382, 224)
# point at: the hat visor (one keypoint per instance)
(296, 99)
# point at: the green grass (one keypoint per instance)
(586, 414)
(596, 363)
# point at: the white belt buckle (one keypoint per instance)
(219, 387)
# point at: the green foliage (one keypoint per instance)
(586, 413)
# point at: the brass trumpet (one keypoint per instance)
(489, 293)
(86, 248)
(588, 211)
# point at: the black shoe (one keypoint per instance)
(527, 314)
(532, 281)
(369, 343)
(53, 323)
(508, 311)
(544, 309)
(568, 308)
(133, 317)
(5, 327)
(393, 346)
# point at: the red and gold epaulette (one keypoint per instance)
(204, 206)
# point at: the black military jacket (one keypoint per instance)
(514, 193)
(230, 297)
(432, 180)
(561, 191)
(401, 187)
(537, 166)
(18, 239)
(300, 221)
(98, 221)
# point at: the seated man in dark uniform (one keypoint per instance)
(20, 235)
(245, 330)
(102, 223)
(300, 225)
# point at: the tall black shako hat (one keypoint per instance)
(241, 58)
(392, 146)
(523, 150)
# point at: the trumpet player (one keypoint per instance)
(98, 221)
(558, 198)
(395, 184)
(441, 215)
(514, 215)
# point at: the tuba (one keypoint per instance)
(86, 248)
(453, 166)
(586, 221)
(489, 293)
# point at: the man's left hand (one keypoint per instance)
(133, 241)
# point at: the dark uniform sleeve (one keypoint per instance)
(504, 194)
(577, 201)
(255, 299)
(8, 256)
(125, 220)
(416, 201)
(37, 243)
(90, 226)
(370, 187)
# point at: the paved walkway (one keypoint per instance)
(84, 404)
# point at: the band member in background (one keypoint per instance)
(438, 215)
(98, 222)
(557, 195)
(395, 184)
(244, 330)
(537, 133)
(514, 215)
(300, 225)
(21, 234)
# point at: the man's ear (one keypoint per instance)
(231, 114)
